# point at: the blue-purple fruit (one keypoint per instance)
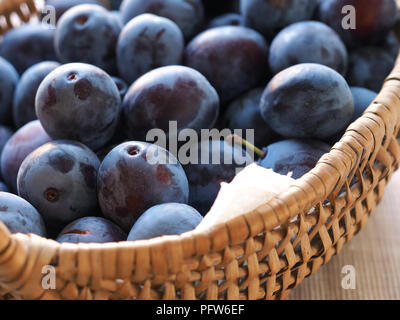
(173, 93)
(28, 138)
(19, 216)
(307, 101)
(148, 42)
(25, 93)
(8, 80)
(165, 219)
(135, 176)
(59, 179)
(88, 33)
(234, 59)
(91, 230)
(79, 102)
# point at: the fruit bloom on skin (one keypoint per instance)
(369, 66)
(25, 93)
(188, 15)
(307, 101)
(19, 216)
(362, 100)
(244, 113)
(91, 230)
(59, 179)
(133, 177)
(234, 59)
(79, 102)
(9, 80)
(165, 219)
(173, 93)
(28, 138)
(306, 42)
(268, 17)
(148, 42)
(61, 6)
(5, 135)
(27, 45)
(296, 156)
(88, 33)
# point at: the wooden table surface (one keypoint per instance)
(374, 253)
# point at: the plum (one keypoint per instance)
(306, 42)
(134, 177)
(270, 16)
(307, 101)
(79, 102)
(391, 44)
(148, 42)
(188, 15)
(23, 109)
(88, 33)
(5, 135)
(374, 19)
(244, 113)
(217, 161)
(61, 6)
(28, 138)
(91, 230)
(296, 156)
(27, 45)
(362, 100)
(165, 219)
(172, 93)
(369, 66)
(19, 216)
(59, 179)
(234, 59)
(9, 80)
(227, 19)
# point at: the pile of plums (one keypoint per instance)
(78, 100)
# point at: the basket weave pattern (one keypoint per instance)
(263, 254)
(23, 9)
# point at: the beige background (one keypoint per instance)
(374, 253)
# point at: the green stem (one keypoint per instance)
(236, 139)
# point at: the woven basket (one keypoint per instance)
(263, 254)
